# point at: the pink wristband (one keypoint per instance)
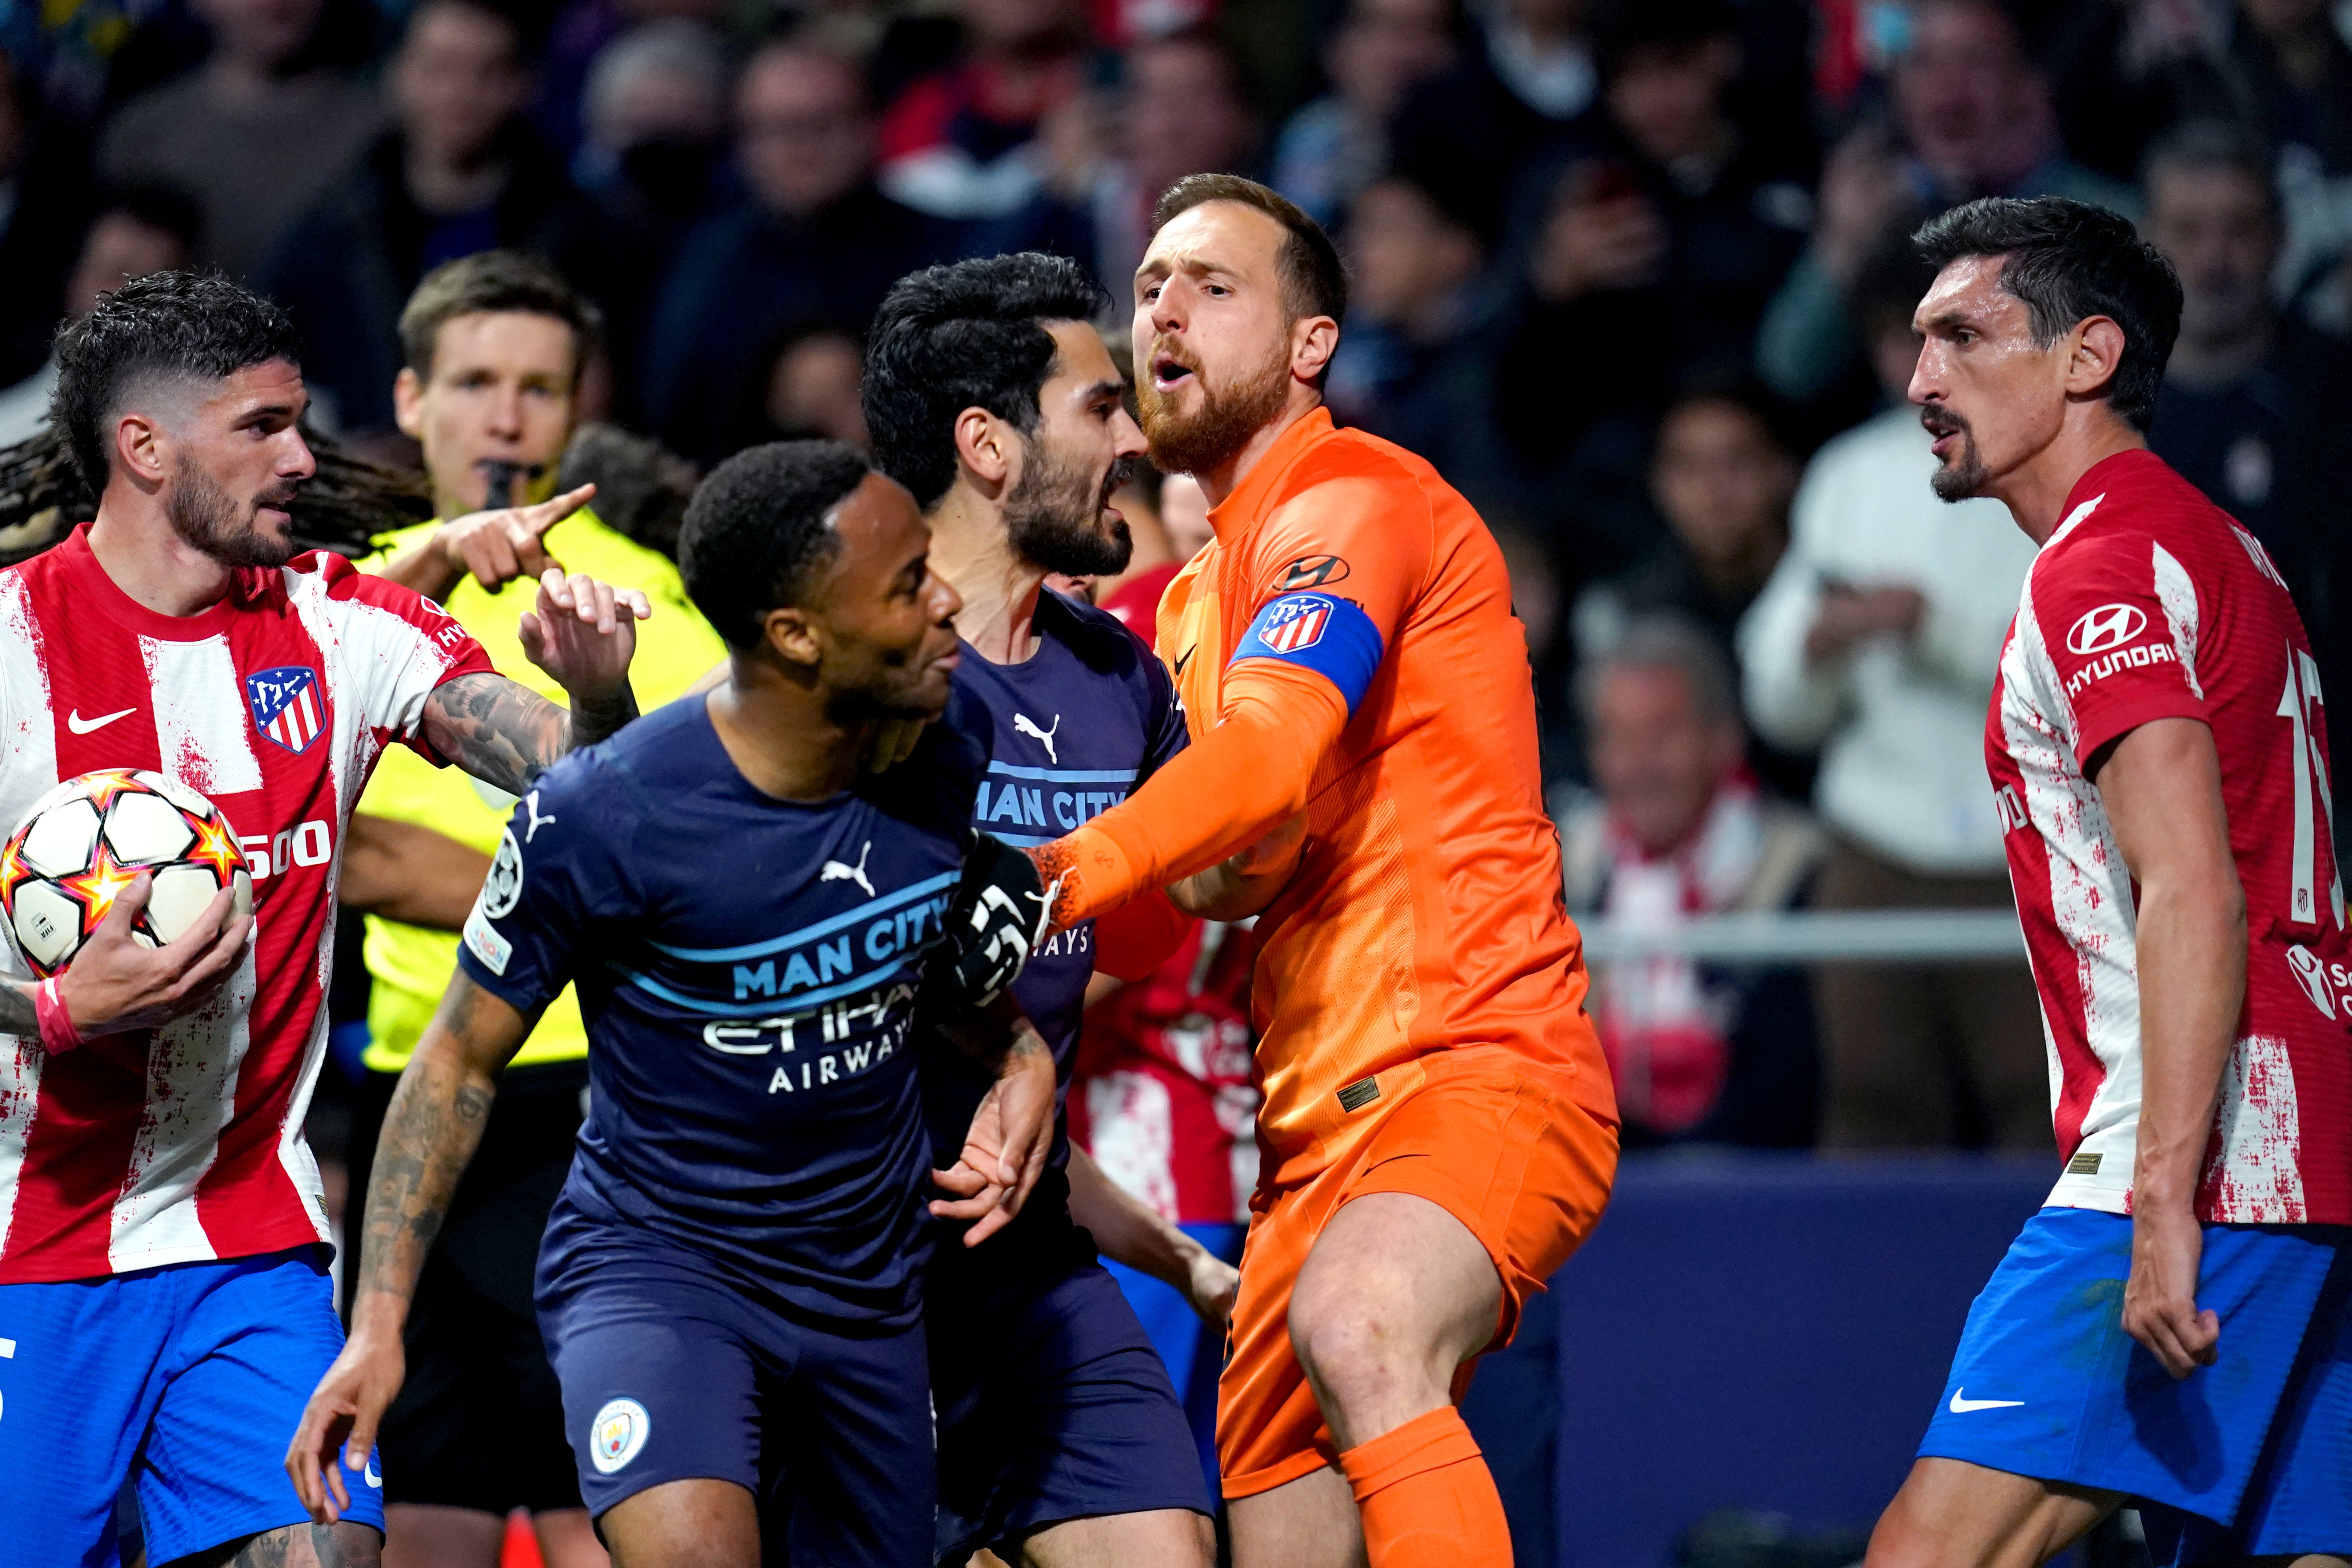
(58, 1032)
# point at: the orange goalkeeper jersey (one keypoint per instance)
(1346, 642)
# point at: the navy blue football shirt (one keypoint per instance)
(747, 970)
(1070, 731)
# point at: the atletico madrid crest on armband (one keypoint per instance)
(287, 705)
(1293, 623)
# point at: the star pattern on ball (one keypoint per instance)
(217, 846)
(103, 786)
(100, 885)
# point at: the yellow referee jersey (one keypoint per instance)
(410, 965)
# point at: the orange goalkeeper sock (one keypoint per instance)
(1427, 1499)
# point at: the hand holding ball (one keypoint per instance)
(82, 853)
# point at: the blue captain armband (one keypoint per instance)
(1322, 632)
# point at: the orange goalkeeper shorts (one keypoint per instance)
(1495, 1140)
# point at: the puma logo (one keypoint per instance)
(1024, 725)
(530, 804)
(835, 871)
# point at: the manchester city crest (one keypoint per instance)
(618, 1432)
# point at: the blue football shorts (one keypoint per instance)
(673, 1370)
(188, 1381)
(2252, 1455)
(1053, 1405)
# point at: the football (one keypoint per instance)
(86, 841)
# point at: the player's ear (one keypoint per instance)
(982, 444)
(139, 447)
(407, 395)
(1313, 341)
(789, 633)
(2097, 355)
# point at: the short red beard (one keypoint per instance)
(1204, 442)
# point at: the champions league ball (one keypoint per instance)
(84, 841)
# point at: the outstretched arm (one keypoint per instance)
(495, 546)
(1130, 1232)
(1242, 884)
(1290, 684)
(1248, 775)
(584, 633)
(430, 1133)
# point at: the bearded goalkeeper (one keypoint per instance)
(1438, 1120)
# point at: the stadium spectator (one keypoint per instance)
(1183, 109)
(815, 241)
(1678, 828)
(654, 116)
(495, 344)
(1720, 476)
(255, 134)
(958, 143)
(2120, 74)
(2244, 390)
(458, 174)
(650, 167)
(1664, 232)
(578, 35)
(1972, 118)
(2286, 72)
(1540, 597)
(144, 229)
(809, 390)
(1337, 145)
(45, 171)
(1876, 642)
(1528, 74)
(1409, 368)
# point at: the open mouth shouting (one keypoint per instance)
(1169, 372)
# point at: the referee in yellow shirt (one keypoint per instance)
(495, 344)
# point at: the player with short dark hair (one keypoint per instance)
(2174, 1326)
(730, 1287)
(173, 329)
(163, 1237)
(496, 344)
(991, 396)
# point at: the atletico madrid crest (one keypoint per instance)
(286, 705)
(1295, 623)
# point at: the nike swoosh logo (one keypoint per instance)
(81, 725)
(1185, 658)
(1960, 1406)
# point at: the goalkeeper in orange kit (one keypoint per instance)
(1438, 1125)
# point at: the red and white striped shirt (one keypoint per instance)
(185, 1142)
(2150, 603)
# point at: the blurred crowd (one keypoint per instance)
(1632, 273)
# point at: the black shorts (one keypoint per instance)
(479, 1422)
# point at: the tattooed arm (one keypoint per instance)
(506, 735)
(430, 1133)
(584, 633)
